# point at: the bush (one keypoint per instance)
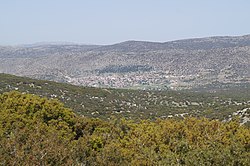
(38, 131)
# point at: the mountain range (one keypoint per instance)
(181, 64)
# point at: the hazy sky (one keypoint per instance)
(111, 21)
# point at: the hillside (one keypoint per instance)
(40, 131)
(182, 64)
(137, 104)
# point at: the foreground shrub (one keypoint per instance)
(38, 131)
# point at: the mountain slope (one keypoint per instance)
(136, 64)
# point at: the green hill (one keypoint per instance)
(40, 131)
(136, 104)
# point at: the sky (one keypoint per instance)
(113, 21)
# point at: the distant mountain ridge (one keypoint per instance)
(177, 64)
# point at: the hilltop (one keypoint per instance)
(182, 64)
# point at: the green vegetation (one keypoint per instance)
(135, 104)
(40, 131)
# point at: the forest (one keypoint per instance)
(39, 131)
